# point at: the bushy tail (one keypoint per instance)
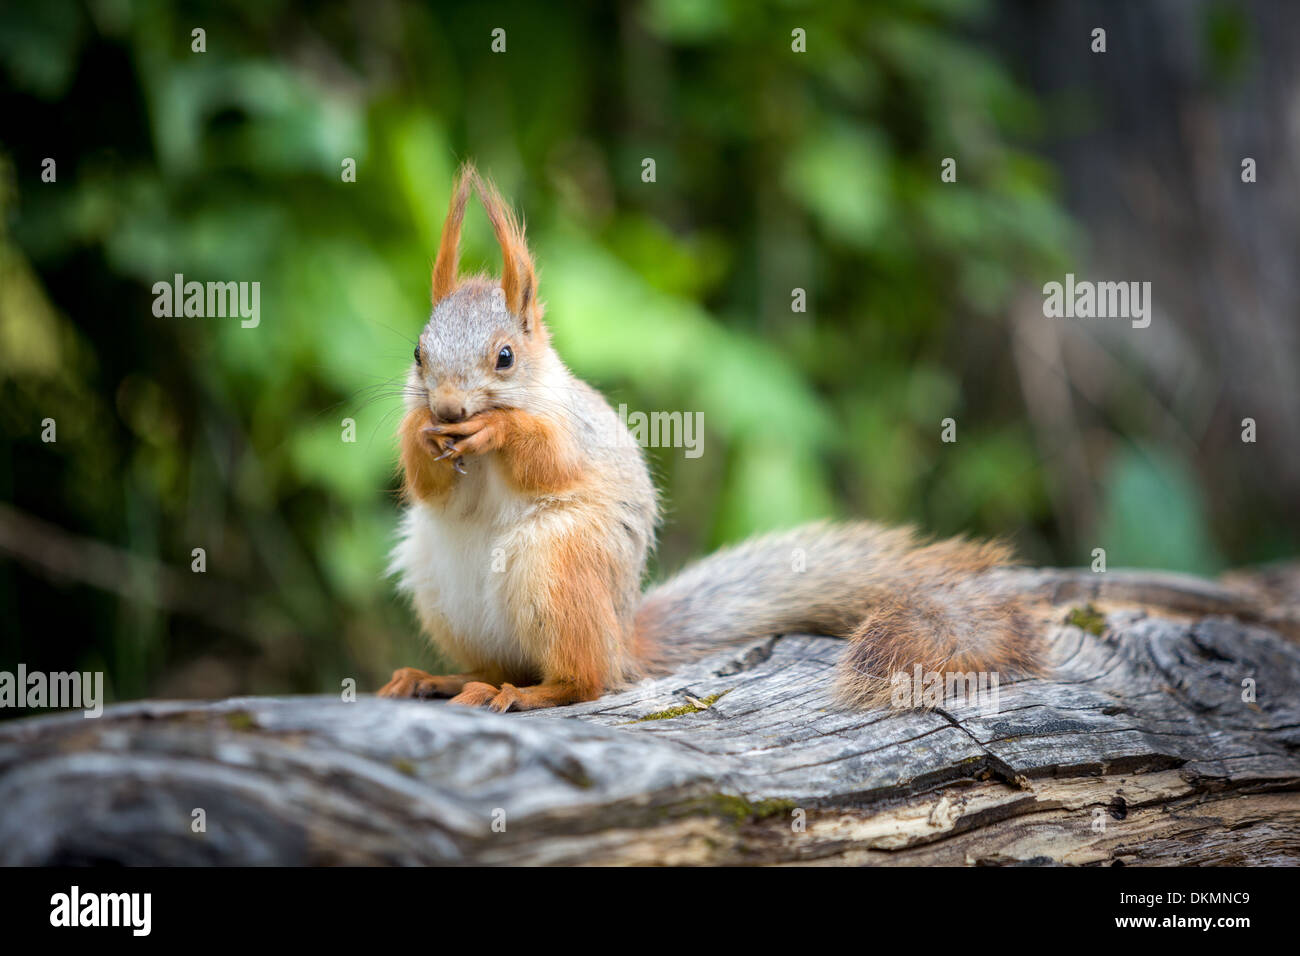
(900, 602)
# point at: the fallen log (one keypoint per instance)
(1168, 733)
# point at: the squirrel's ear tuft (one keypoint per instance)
(445, 269)
(518, 277)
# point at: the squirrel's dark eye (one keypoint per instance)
(505, 358)
(417, 355)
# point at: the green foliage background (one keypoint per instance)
(775, 170)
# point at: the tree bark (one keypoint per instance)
(1142, 748)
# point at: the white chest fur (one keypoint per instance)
(453, 559)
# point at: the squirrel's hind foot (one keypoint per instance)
(412, 682)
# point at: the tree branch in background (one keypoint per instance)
(62, 557)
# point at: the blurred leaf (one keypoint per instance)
(842, 176)
(1153, 516)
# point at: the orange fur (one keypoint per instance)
(944, 618)
(569, 625)
(578, 612)
(410, 682)
(537, 454)
(547, 694)
(422, 477)
(518, 276)
(445, 278)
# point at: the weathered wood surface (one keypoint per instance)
(1139, 750)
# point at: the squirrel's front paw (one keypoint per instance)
(475, 435)
(442, 447)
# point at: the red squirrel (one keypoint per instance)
(526, 532)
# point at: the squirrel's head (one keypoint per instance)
(485, 345)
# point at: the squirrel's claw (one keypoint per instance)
(448, 451)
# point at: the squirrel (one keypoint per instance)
(526, 532)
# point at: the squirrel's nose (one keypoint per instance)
(450, 411)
